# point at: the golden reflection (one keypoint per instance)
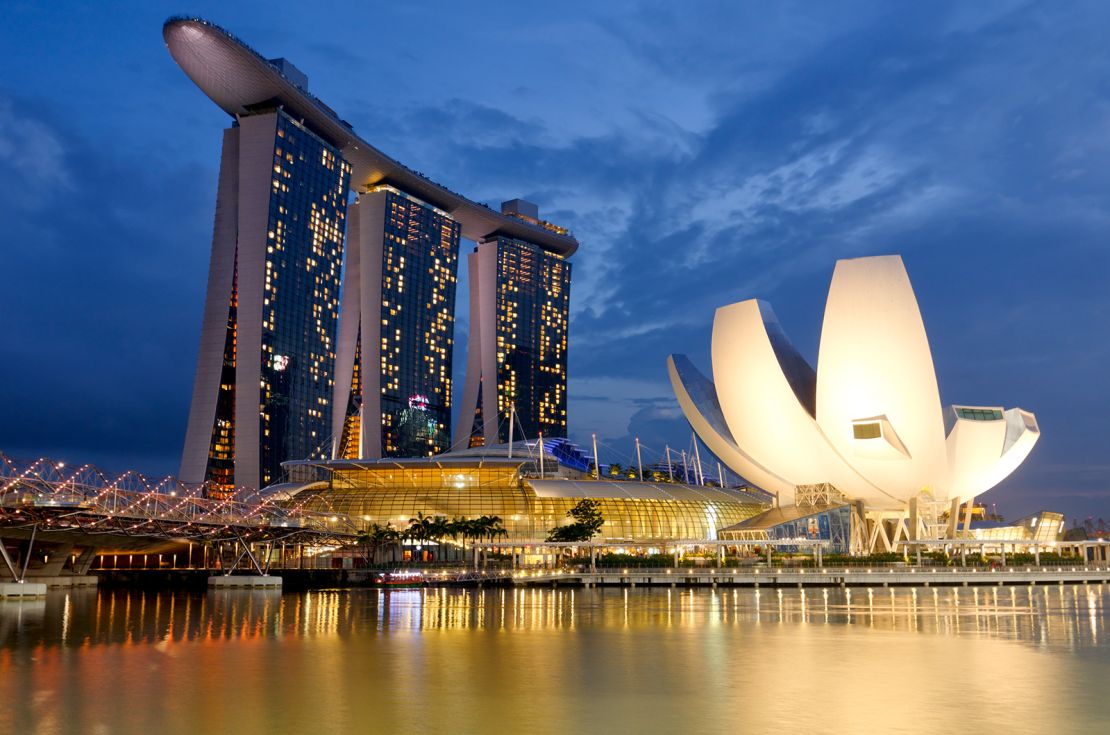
(1069, 616)
(528, 653)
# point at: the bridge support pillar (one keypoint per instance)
(22, 590)
(235, 581)
(84, 562)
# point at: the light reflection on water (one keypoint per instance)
(1032, 659)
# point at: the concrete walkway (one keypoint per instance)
(827, 577)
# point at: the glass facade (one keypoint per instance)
(220, 473)
(532, 316)
(419, 262)
(352, 421)
(395, 493)
(304, 255)
(420, 259)
(978, 414)
(832, 524)
(868, 430)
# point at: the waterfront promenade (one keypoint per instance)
(879, 575)
(876, 576)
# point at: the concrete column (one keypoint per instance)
(817, 553)
(963, 555)
(918, 547)
(768, 555)
(914, 519)
(593, 558)
(1037, 554)
(720, 556)
(84, 561)
(1003, 548)
(676, 556)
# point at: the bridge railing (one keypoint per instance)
(90, 498)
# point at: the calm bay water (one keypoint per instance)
(1026, 659)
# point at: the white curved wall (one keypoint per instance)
(1022, 433)
(725, 448)
(875, 367)
(763, 412)
(875, 362)
(974, 448)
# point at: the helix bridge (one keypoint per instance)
(49, 498)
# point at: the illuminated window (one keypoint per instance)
(868, 430)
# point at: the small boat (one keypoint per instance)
(400, 579)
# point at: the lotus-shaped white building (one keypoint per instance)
(869, 421)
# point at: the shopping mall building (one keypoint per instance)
(530, 495)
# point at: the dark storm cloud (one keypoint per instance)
(702, 156)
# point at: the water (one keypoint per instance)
(1014, 659)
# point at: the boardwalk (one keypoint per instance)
(826, 577)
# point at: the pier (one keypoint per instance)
(893, 576)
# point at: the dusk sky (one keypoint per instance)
(702, 154)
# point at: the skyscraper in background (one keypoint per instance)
(519, 315)
(393, 377)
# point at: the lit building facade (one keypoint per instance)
(393, 377)
(263, 387)
(519, 316)
(867, 427)
(271, 313)
(868, 422)
(530, 502)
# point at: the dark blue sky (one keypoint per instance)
(702, 153)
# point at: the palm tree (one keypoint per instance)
(390, 537)
(457, 527)
(374, 538)
(472, 529)
(438, 529)
(468, 528)
(494, 528)
(419, 529)
(366, 540)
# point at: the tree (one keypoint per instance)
(588, 513)
(418, 529)
(375, 537)
(492, 527)
(439, 528)
(587, 522)
(424, 529)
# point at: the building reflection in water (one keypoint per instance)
(548, 659)
(1069, 616)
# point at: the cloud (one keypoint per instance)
(701, 156)
(32, 169)
(100, 325)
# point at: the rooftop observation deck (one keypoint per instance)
(240, 80)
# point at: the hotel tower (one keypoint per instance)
(517, 348)
(328, 324)
(267, 347)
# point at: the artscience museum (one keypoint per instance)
(866, 429)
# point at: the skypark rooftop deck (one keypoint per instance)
(240, 81)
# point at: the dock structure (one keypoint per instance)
(824, 577)
(244, 581)
(22, 590)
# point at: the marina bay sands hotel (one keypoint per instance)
(328, 325)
